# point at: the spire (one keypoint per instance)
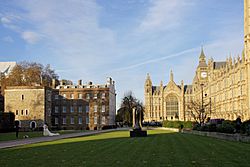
(148, 76)
(202, 55)
(148, 81)
(171, 76)
(161, 84)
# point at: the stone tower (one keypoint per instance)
(202, 68)
(148, 95)
(247, 25)
(247, 45)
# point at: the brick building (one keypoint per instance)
(93, 106)
(65, 106)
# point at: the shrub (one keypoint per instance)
(245, 127)
(177, 124)
(7, 122)
(226, 127)
(212, 128)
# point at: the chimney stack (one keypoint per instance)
(79, 82)
(53, 83)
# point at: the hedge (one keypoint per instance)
(177, 124)
(7, 121)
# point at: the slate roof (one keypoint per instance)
(218, 65)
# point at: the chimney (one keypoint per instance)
(80, 82)
(61, 82)
(53, 83)
(109, 80)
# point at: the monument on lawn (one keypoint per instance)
(137, 126)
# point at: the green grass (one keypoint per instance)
(160, 148)
(12, 135)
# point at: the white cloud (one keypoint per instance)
(30, 36)
(71, 30)
(5, 20)
(164, 14)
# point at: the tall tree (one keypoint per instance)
(28, 74)
(199, 111)
(125, 113)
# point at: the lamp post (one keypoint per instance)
(202, 107)
(210, 107)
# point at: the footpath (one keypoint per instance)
(15, 143)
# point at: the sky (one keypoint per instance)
(123, 39)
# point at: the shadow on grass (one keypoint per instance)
(160, 148)
(101, 136)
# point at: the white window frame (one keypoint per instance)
(72, 109)
(103, 95)
(95, 120)
(87, 119)
(103, 108)
(64, 121)
(56, 121)
(95, 96)
(95, 108)
(87, 108)
(79, 109)
(103, 120)
(64, 109)
(87, 96)
(79, 96)
(56, 109)
(72, 96)
(72, 120)
(79, 120)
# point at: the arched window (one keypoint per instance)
(172, 104)
(33, 124)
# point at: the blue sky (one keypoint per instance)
(124, 39)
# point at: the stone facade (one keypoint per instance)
(64, 107)
(94, 105)
(30, 104)
(224, 85)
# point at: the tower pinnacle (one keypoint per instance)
(171, 76)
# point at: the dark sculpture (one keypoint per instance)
(137, 126)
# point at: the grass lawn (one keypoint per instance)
(160, 148)
(12, 135)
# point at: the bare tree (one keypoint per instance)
(199, 111)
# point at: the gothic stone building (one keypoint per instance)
(224, 85)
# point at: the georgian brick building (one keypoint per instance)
(93, 106)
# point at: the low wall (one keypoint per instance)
(163, 128)
(224, 136)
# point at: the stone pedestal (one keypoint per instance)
(138, 133)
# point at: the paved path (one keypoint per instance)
(14, 143)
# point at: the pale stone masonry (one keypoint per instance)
(30, 104)
(226, 86)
